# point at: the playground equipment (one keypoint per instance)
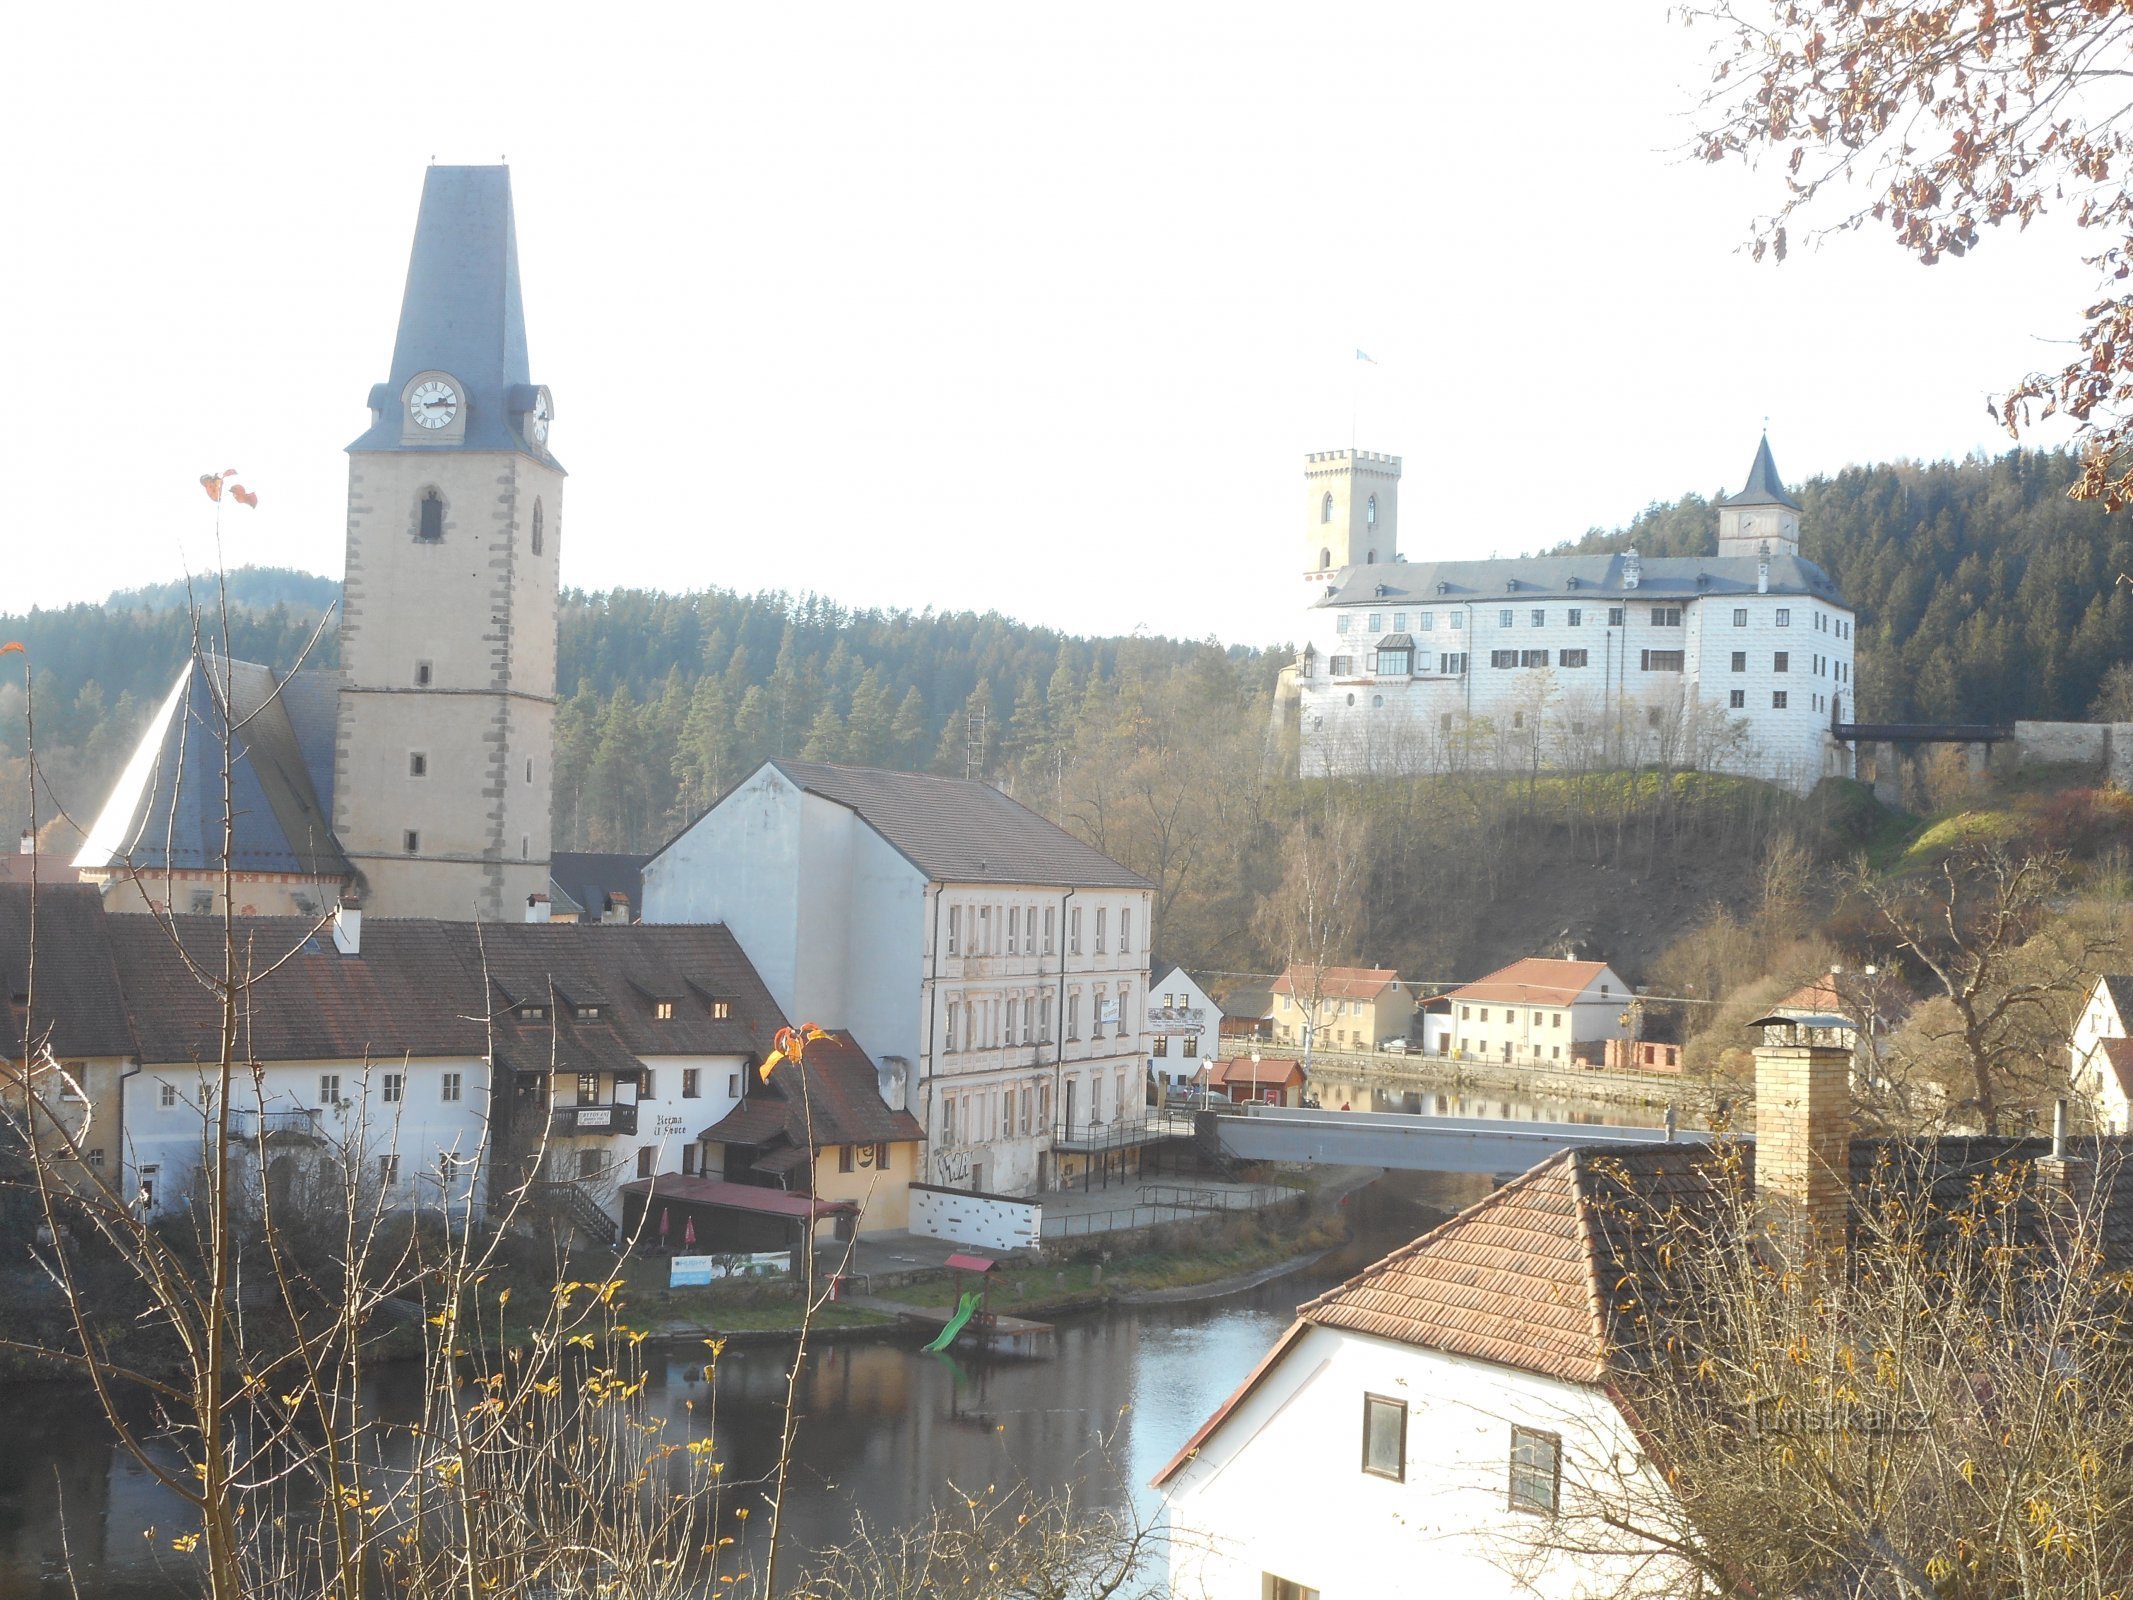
(963, 1313)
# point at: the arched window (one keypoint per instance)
(1370, 558)
(1325, 559)
(536, 527)
(432, 524)
(1370, 512)
(1325, 507)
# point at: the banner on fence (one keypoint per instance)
(684, 1272)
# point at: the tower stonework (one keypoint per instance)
(1351, 510)
(445, 733)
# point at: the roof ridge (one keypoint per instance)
(1497, 1196)
(1588, 1237)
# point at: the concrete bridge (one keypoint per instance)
(1419, 1143)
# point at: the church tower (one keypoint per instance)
(1351, 511)
(1762, 515)
(445, 734)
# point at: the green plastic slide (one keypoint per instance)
(963, 1313)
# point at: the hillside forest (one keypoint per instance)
(1983, 593)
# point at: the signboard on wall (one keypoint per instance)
(686, 1272)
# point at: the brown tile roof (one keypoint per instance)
(842, 1097)
(1555, 1272)
(731, 1196)
(1338, 983)
(427, 988)
(79, 1008)
(1241, 1072)
(956, 830)
(1534, 982)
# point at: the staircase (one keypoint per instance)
(569, 1203)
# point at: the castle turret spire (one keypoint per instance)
(1764, 513)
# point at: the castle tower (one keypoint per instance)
(445, 733)
(1763, 513)
(1351, 511)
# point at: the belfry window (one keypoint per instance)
(1370, 512)
(431, 526)
(1325, 507)
(537, 527)
(1325, 559)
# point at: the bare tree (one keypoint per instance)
(1978, 928)
(1943, 1410)
(1316, 916)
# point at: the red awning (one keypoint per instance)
(734, 1196)
(963, 1263)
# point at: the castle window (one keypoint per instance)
(1781, 661)
(411, 841)
(1778, 698)
(1666, 616)
(529, 769)
(1571, 658)
(431, 526)
(1784, 616)
(1340, 623)
(536, 527)
(1614, 616)
(1740, 616)
(1663, 660)
(1370, 558)
(1377, 622)
(1740, 661)
(1574, 617)
(418, 764)
(1737, 699)
(1370, 512)
(1325, 559)
(1540, 618)
(422, 674)
(1325, 507)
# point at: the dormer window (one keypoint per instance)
(430, 526)
(533, 1013)
(663, 1010)
(586, 1013)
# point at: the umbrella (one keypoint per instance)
(688, 1234)
(662, 1222)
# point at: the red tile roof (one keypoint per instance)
(1534, 982)
(2118, 1056)
(1242, 1072)
(1337, 983)
(842, 1097)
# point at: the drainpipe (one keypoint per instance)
(118, 1147)
(933, 968)
(1059, 1015)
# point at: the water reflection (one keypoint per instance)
(1334, 1095)
(886, 1431)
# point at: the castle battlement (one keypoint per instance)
(1338, 459)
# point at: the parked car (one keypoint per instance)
(1395, 1047)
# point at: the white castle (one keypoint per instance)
(1738, 662)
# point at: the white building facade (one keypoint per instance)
(1184, 1030)
(995, 966)
(2098, 1056)
(1740, 661)
(1536, 1011)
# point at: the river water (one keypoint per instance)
(884, 1431)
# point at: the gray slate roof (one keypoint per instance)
(1595, 579)
(166, 809)
(461, 312)
(1764, 486)
(956, 830)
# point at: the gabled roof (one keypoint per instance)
(841, 1103)
(1535, 981)
(956, 830)
(79, 1009)
(167, 808)
(1337, 983)
(1556, 1273)
(2118, 1061)
(2119, 986)
(1764, 486)
(1269, 1072)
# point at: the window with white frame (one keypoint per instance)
(1536, 1471)
(1100, 913)
(389, 1089)
(329, 1089)
(1125, 931)
(1385, 1437)
(1074, 931)
(448, 1090)
(955, 929)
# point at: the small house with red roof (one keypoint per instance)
(1341, 1008)
(1534, 1011)
(1270, 1080)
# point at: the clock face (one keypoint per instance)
(1747, 526)
(433, 404)
(540, 416)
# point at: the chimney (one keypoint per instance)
(348, 928)
(2061, 1177)
(1632, 568)
(1762, 568)
(615, 907)
(28, 845)
(536, 908)
(1803, 1129)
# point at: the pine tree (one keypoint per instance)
(907, 734)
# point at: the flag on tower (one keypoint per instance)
(1361, 357)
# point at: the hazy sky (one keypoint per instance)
(985, 307)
